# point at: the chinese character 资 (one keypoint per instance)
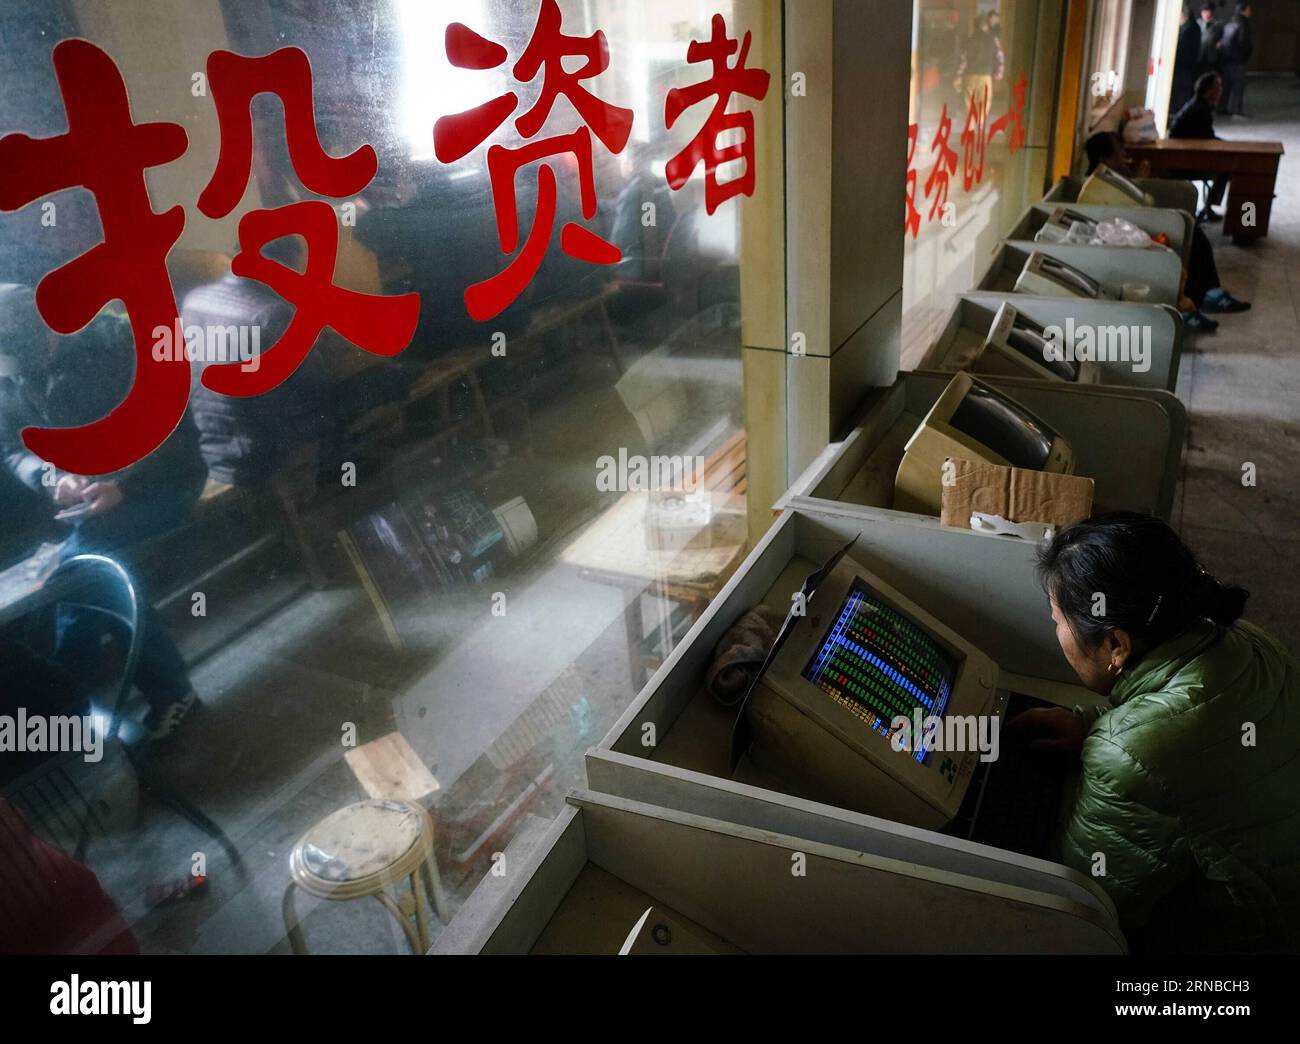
(455, 136)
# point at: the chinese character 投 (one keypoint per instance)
(376, 324)
(457, 135)
(106, 152)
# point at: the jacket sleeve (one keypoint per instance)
(1118, 836)
(26, 467)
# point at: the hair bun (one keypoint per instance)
(1222, 603)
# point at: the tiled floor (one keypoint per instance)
(1241, 387)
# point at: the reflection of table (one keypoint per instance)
(21, 582)
(1250, 165)
(614, 550)
(564, 316)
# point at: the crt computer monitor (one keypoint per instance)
(1061, 222)
(823, 714)
(972, 420)
(1111, 189)
(1017, 346)
(1048, 276)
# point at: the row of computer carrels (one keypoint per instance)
(801, 822)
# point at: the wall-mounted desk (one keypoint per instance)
(1251, 166)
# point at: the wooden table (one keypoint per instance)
(1250, 165)
(616, 550)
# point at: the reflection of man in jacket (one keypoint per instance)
(1235, 49)
(982, 61)
(52, 381)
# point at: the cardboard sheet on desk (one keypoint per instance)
(1016, 494)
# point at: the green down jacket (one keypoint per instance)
(1190, 790)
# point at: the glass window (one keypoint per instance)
(974, 155)
(435, 576)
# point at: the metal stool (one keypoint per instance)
(359, 851)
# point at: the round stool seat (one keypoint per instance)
(359, 849)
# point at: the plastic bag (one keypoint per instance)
(1118, 232)
(1140, 126)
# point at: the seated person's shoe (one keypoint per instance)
(163, 720)
(1199, 322)
(1219, 300)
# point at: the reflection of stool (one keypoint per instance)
(357, 852)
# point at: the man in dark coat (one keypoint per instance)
(1195, 120)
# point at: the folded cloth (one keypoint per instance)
(740, 653)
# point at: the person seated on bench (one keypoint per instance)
(1202, 289)
(1186, 808)
(55, 381)
(1195, 121)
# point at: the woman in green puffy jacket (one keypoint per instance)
(1188, 805)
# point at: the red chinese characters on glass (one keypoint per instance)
(978, 131)
(973, 140)
(107, 153)
(377, 324)
(456, 135)
(1016, 137)
(945, 166)
(725, 81)
(235, 79)
(911, 216)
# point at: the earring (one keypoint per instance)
(1111, 668)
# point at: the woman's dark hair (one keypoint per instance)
(1101, 147)
(1131, 571)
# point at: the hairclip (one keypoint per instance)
(1155, 609)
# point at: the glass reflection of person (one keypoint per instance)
(53, 381)
(982, 62)
(644, 215)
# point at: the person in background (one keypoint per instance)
(642, 242)
(55, 381)
(1187, 56)
(1235, 49)
(1187, 810)
(981, 60)
(1211, 32)
(1000, 54)
(1195, 121)
(1203, 291)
